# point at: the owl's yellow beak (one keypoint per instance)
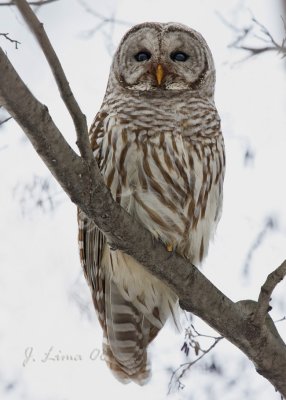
(159, 74)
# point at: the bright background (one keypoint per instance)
(44, 301)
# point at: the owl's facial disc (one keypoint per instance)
(156, 57)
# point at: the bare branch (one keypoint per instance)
(40, 193)
(191, 341)
(264, 36)
(103, 22)
(202, 335)
(78, 117)
(5, 120)
(31, 3)
(102, 18)
(266, 291)
(179, 373)
(269, 225)
(280, 320)
(6, 35)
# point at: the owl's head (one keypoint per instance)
(164, 56)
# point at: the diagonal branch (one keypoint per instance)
(32, 3)
(78, 117)
(5, 120)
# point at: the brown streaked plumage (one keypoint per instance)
(158, 143)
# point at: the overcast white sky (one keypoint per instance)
(41, 284)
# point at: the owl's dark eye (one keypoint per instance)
(142, 56)
(179, 56)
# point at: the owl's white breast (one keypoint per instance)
(148, 157)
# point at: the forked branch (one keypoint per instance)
(256, 30)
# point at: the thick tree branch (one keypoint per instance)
(78, 117)
(84, 185)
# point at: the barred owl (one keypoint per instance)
(159, 147)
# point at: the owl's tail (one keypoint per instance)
(126, 338)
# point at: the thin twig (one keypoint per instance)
(102, 23)
(6, 36)
(266, 291)
(5, 120)
(269, 225)
(205, 336)
(102, 17)
(186, 366)
(31, 3)
(280, 320)
(78, 117)
(266, 37)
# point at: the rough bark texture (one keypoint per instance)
(83, 183)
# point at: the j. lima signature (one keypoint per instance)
(52, 355)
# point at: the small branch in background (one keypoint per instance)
(3, 114)
(102, 18)
(191, 342)
(280, 320)
(256, 30)
(105, 26)
(5, 120)
(266, 291)
(6, 36)
(39, 194)
(249, 157)
(269, 225)
(31, 3)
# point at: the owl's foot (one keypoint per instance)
(169, 247)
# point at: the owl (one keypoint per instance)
(158, 144)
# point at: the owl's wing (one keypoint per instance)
(91, 244)
(91, 240)
(125, 329)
